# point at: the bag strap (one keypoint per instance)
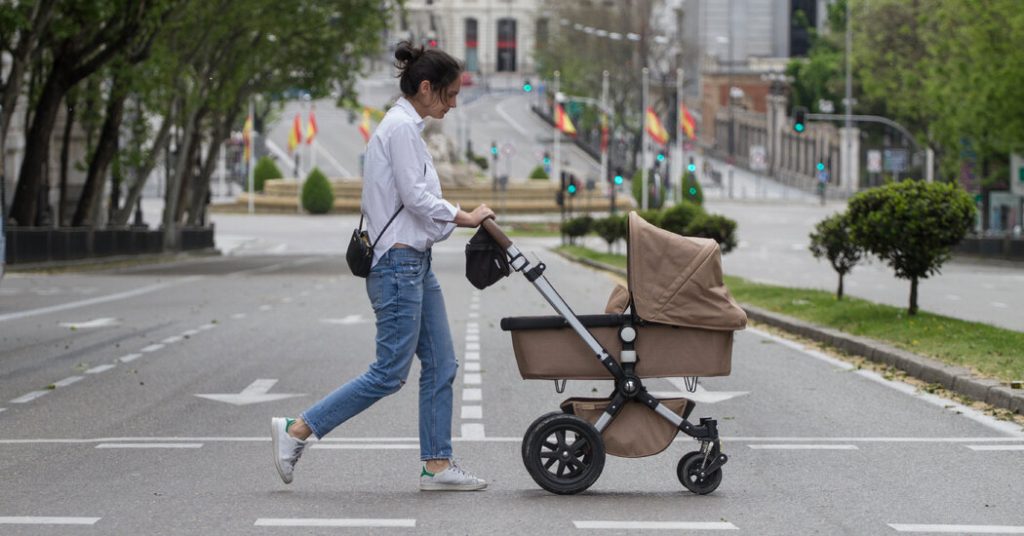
(385, 226)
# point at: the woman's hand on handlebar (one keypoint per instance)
(475, 218)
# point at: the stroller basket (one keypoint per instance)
(638, 431)
(547, 348)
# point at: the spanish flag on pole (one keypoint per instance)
(311, 129)
(655, 128)
(687, 123)
(247, 137)
(364, 125)
(295, 136)
(562, 121)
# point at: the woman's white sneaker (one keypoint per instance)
(287, 449)
(454, 478)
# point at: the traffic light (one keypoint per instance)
(547, 159)
(661, 157)
(691, 167)
(527, 86)
(799, 119)
(572, 185)
(494, 150)
(618, 176)
(821, 166)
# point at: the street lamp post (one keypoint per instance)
(643, 138)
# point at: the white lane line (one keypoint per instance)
(336, 522)
(367, 446)
(149, 445)
(472, 338)
(98, 300)
(99, 369)
(96, 323)
(471, 379)
(172, 340)
(1000, 305)
(190, 333)
(474, 315)
(472, 326)
(68, 381)
(995, 447)
(3, 410)
(129, 358)
(803, 447)
(473, 367)
(286, 299)
(473, 431)
(472, 346)
(959, 529)
(472, 395)
(472, 412)
(26, 398)
(472, 356)
(206, 327)
(25, 520)
(265, 308)
(655, 525)
(238, 316)
(151, 348)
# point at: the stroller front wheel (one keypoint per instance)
(689, 472)
(563, 453)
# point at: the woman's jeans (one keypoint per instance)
(411, 318)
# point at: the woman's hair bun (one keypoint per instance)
(406, 53)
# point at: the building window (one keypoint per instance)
(472, 40)
(506, 45)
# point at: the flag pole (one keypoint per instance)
(643, 142)
(680, 165)
(604, 107)
(556, 167)
(252, 152)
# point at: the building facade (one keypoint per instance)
(490, 36)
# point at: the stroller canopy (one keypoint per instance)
(677, 280)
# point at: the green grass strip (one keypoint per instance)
(989, 350)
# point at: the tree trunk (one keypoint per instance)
(27, 42)
(62, 216)
(170, 222)
(142, 174)
(37, 145)
(201, 187)
(106, 150)
(913, 296)
(191, 171)
(839, 292)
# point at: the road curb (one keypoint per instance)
(956, 379)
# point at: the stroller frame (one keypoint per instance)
(698, 471)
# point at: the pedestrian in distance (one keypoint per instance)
(401, 186)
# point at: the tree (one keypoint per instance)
(679, 217)
(831, 240)
(538, 173)
(317, 194)
(577, 227)
(911, 225)
(265, 170)
(691, 190)
(611, 229)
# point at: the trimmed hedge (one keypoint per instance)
(317, 194)
(265, 170)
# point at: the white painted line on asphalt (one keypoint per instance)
(472, 326)
(655, 525)
(474, 315)
(149, 445)
(959, 529)
(472, 338)
(336, 522)
(68, 381)
(3, 410)
(91, 324)
(25, 520)
(98, 300)
(803, 447)
(238, 316)
(286, 299)
(152, 348)
(471, 379)
(996, 447)
(265, 308)
(99, 369)
(473, 367)
(25, 399)
(472, 346)
(472, 356)
(172, 340)
(190, 333)
(206, 327)
(472, 412)
(472, 395)
(1000, 305)
(129, 358)
(473, 431)
(803, 349)
(367, 446)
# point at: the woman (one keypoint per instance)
(400, 182)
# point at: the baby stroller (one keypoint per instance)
(676, 319)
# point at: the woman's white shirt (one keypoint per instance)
(397, 171)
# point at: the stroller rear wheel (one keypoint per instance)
(688, 470)
(563, 453)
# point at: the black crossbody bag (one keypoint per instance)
(360, 250)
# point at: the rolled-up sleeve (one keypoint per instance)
(408, 165)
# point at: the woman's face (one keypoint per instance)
(437, 104)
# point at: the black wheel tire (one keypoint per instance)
(563, 453)
(536, 422)
(688, 472)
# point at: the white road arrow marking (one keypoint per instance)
(95, 323)
(255, 393)
(348, 320)
(700, 395)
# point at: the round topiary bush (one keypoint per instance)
(692, 191)
(539, 173)
(317, 194)
(716, 226)
(679, 217)
(577, 227)
(265, 170)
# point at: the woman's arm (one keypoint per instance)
(475, 218)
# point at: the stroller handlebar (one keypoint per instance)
(496, 233)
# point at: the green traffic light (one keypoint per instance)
(821, 166)
(618, 179)
(572, 188)
(527, 88)
(661, 157)
(799, 127)
(691, 168)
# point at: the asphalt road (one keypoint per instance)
(102, 430)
